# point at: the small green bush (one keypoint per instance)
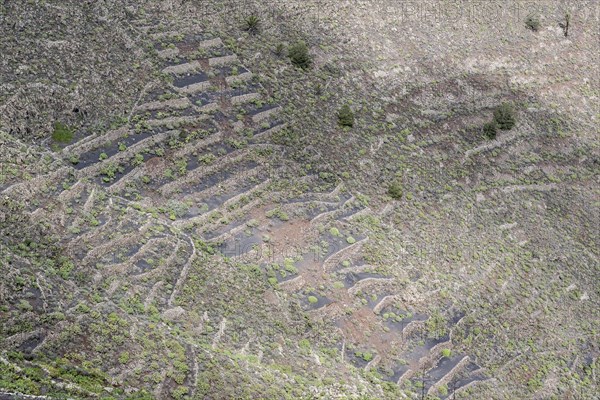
(298, 54)
(490, 129)
(252, 24)
(504, 116)
(532, 22)
(395, 190)
(62, 133)
(124, 357)
(367, 356)
(346, 116)
(279, 49)
(312, 299)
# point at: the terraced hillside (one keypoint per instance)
(215, 234)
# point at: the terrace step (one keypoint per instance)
(201, 218)
(373, 363)
(384, 302)
(261, 116)
(148, 141)
(445, 369)
(268, 132)
(183, 275)
(357, 269)
(244, 98)
(223, 60)
(194, 88)
(161, 268)
(244, 77)
(184, 68)
(469, 376)
(335, 258)
(172, 104)
(229, 231)
(195, 175)
(336, 213)
(206, 44)
(367, 282)
(168, 53)
(82, 146)
(174, 122)
(229, 180)
(162, 35)
(146, 249)
(107, 247)
(35, 185)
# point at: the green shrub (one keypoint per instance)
(124, 357)
(504, 116)
(179, 392)
(367, 356)
(298, 54)
(532, 22)
(312, 299)
(395, 190)
(443, 390)
(62, 133)
(346, 116)
(252, 24)
(279, 49)
(490, 129)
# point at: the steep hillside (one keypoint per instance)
(185, 213)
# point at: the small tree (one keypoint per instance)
(299, 56)
(490, 129)
(252, 24)
(533, 23)
(395, 190)
(346, 116)
(565, 25)
(504, 116)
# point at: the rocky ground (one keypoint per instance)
(209, 231)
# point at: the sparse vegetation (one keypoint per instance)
(226, 251)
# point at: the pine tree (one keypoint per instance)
(505, 117)
(346, 116)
